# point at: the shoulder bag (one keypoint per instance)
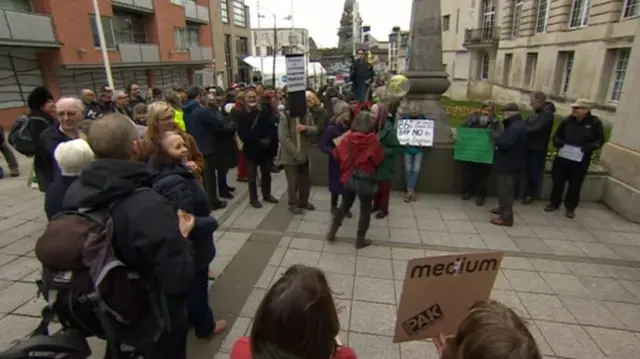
(362, 183)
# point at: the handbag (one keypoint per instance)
(360, 182)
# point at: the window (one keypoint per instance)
(129, 28)
(18, 5)
(619, 73)
(530, 65)
(227, 51)
(506, 74)
(180, 35)
(193, 35)
(580, 13)
(631, 9)
(269, 50)
(446, 19)
(488, 18)
(107, 29)
(242, 46)
(543, 16)
(224, 10)
(517, 16)
(239, 13)
(484, 67)
(565, 62)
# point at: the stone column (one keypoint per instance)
(425, 70)
(621, 155)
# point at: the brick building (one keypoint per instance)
(55, 43)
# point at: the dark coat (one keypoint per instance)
(181, 188)
(55, 195)
(42, 164)
(327, 146)
(587, 134)
(256, 129)
(92, 111)
(511, 146)
(202, 124)
(390, 144)
(225, 142)
(361, 75)
(47, 169)
(540, 126)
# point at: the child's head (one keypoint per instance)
(492, 331)
(73, 157)
(170, 149)
(297, 318)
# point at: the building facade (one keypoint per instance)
(231, 28)
(56, 44)
(281, 41)
(397, 53)
(569, 49)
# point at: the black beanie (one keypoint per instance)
(38, 97)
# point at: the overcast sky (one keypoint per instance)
(323, 21)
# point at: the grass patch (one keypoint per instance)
(459, 111)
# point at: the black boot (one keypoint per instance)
(362, 241)
(333, 228)
(253, 195)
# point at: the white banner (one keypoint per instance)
(415, 132)
(296, 73)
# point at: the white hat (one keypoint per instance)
(73, 157)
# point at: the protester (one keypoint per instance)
(243, 171)
(133, 93)
(490, 330)
(106, 100)
(69, 112)
(317, 110)
(413, 157)
(476, 175)
(92, 108)
(175, 100)
(296, 319)
(159, 121)
(361, 76)
(72, 158)
(295, 139)
(270, 107)
(139, 114)
(122, 105)
(539, 127)
(578, 136)
(148, 235)
(359, 154)
(387, 134)
(338, 126)
(352, 100)
(510, 150)
(179, 185)
(203, 125)
(226, 144)
(42, 111)
(255, 129)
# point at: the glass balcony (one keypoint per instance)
(139, 53)
(20, 28)
(139, 5)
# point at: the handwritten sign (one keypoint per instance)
(415, 132)
(439, 291)
(571, 153)
(296, 73)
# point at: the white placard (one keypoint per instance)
(571, 153)
(296, 73)
(415, 132)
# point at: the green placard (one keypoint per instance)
(473, 145)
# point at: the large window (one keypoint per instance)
(107, 29)
(239, 15)
(193, 35)
(224, 10)
(631, 9)
(567, 59)
(580, 13)
(619, 73)
(484, 66)
(129, 28)
(180, 36)
(242, 46)
(542, 21)
(488, 18)
(517, 17)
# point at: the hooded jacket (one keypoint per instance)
(202, 124)
(147, 235)
(361, 151)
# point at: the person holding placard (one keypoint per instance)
(577, 137)
(475, 175)
(389, 140)
(413, 156)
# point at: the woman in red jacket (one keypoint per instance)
(296, 319)
(359, 152)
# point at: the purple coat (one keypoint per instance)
(327, 146)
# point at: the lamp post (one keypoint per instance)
(260, 43)
(103, 44)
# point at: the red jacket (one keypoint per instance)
(358, 150)
(242, 350)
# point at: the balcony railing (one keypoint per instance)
(485, 36)
(27, 29)
(139, 53)
(142, 5)
(196, 13)
(198, 53)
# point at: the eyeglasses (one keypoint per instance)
(66, 114)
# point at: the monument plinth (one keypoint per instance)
(425, 70)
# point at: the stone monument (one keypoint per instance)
(425, 70)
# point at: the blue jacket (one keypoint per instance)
(55, 194)
(511, 146)
(181, 188)
(202, 124)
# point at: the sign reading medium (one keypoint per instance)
(438, 292)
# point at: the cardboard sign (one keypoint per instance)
(438, 292)
(473, 145)
(415, 132)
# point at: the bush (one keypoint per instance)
(459, 111)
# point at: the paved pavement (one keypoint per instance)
(577, 282)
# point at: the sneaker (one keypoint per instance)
(550, 208)
(570, 214)
(362, 242)
(296, 210)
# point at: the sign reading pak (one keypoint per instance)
(447, 286)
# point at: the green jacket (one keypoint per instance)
(292, 153)
(390, 144)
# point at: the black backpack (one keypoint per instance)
(20, 136)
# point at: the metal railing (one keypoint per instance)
(139, 53)
(482, 36)
(198, 53)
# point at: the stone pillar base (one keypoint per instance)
(622, 190)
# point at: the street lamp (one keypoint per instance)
(275, 46)
(103, 44)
